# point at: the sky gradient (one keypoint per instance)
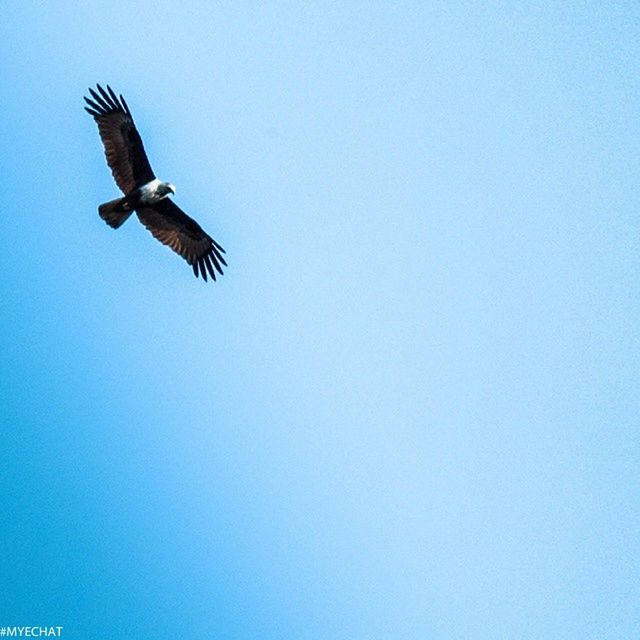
(409, 409)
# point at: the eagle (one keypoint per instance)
(143, 192)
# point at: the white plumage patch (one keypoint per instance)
(149, 192)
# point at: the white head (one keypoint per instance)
(154, 191)
(165, 188)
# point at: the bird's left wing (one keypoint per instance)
(173, 227)
(123, 146)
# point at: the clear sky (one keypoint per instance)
(409, 410)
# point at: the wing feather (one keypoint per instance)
(174, 228)
(123, 146)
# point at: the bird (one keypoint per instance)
(143, 192)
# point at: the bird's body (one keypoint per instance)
(143, 192)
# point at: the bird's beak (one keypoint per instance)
(173, 189)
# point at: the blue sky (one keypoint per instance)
(410, 407)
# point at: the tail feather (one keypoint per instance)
(115, 212)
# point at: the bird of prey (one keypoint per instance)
(143, 192)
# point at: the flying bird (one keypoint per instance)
(143, 192)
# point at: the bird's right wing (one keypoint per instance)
(173, 227)
(123, 146)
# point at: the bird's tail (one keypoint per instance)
(115, 212)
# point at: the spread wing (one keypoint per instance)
(122, 143)
(173, 227)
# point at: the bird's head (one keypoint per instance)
(166, 188)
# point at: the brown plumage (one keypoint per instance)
(169, 224)
(143, 192)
